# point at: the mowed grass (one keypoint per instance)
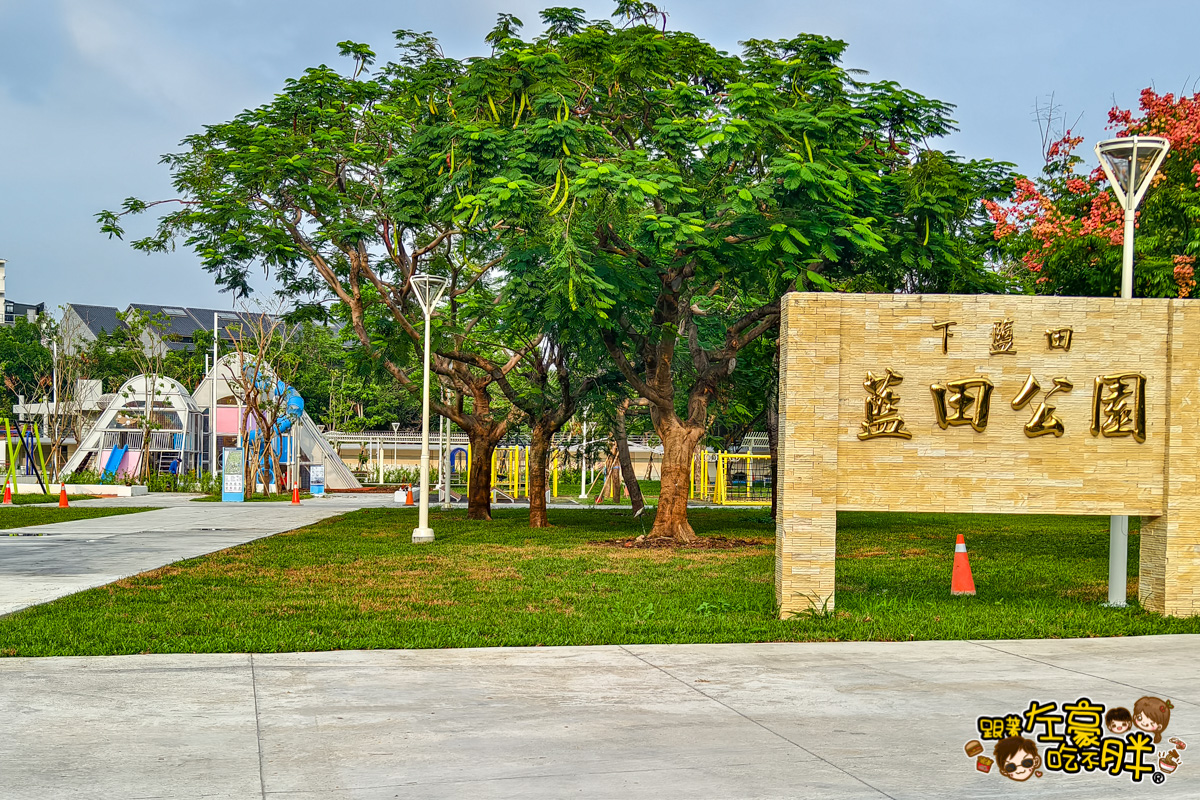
(31, 499)
(20, 517)
(357, 582)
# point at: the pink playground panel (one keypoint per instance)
(227, 421)
(129, 462)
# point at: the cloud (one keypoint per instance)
(150, 60)
(36, 49)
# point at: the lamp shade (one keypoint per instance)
(1130, 162)
(428, 289)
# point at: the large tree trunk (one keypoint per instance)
(479, 495)
(679, 443)
(539, 453)
(622, 442)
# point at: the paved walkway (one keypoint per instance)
(839, 720)
(41, 563)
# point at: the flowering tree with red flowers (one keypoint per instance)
(1066, 228)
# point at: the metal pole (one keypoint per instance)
(583, 463)
(1127, 255)
(57, 418)
(395, 443)
(423, 532)
(1118, 524)
(212, 407)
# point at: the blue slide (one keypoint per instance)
(293, 409)
(114, 462)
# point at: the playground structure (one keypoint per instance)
(117, 443)
(510, 472)
(720, 478)
(183, 426)
(298, 439)
(281, 442)
(731, 479)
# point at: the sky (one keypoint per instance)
(93, 92)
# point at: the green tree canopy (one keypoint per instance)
(656, 192)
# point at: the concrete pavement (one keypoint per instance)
(45, 562)
(837, 720)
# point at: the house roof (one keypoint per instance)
(182, 322)
(225, 319)
(98, 318)
(179, 324)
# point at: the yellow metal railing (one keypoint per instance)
(510, 471)
(743, 480)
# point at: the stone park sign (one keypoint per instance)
(989, 404)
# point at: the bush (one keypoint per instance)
(88, 476)
(408, 475)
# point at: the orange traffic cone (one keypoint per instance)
(961, 581)
(296, 495)
(7, 493)
(408, 500)
(62, 495)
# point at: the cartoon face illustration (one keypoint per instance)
(1146, 723)
(1118, 720)
(1017, 758)
(1152, 714)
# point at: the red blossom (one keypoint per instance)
(1038, 209)
(1185, 274)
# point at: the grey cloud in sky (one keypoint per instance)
(92, 92)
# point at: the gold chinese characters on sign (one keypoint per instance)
(1043, 420)
(962, 402)
(944, 327)
(882, 417)
(1002, 338)
(1059, 338)
(1119, 406)
(1118, 402)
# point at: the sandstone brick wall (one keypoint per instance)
(831, 341)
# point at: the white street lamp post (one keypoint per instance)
(1129, 163)
(428, 289)
(396, 442)
(583, 464)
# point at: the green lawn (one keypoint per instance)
(30, 499)
(18, 517)
(357, 582)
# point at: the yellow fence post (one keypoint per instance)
(722, 478)
(716, 487)
(554, 490)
